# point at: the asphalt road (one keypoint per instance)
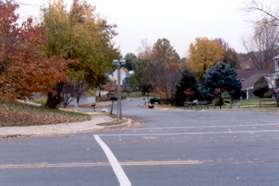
(172, 148)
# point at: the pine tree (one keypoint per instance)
(187, 89)
(221, 78)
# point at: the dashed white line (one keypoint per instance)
(119, 172)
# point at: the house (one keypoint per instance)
(124, 74)
(274, 76)
(250, 77)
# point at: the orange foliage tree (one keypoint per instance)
(24, 69)
(165, 68)
(204, 54)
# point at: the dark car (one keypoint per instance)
(155, 101)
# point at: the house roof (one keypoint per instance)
(250, 77)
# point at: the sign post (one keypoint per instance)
(119, 63)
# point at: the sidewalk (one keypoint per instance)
(61, 129)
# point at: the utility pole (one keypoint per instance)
(119, 63)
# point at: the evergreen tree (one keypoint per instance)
(187, 89)
(221, 78)
(131, 60)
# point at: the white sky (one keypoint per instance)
(180, 21)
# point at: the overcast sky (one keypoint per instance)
(180, 21)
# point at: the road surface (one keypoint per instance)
(172, 148)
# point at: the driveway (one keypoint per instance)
(173, 147)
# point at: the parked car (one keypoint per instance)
(155, 101)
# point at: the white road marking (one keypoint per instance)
(72, 165)
(119, 172)
(192, 133)
(208, 127)
(53, 165)
(97, 164)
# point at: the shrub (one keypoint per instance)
(268, 94)
(227, 99)
(261, 88)
(218, 101)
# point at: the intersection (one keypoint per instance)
(172, 147)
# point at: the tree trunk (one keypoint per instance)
(54, 98)
(99, 89)
(78, 99)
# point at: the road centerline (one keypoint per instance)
(251, 132)
(207, 127)
(118, 170)
(70, 165)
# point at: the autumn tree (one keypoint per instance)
(24, 69)
(158, 69)
(165, 67)
(230, 56)
(203, 54)
(8, 33)
(80, 34)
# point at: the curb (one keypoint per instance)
(126, 122)
(64, 129)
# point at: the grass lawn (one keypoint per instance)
(19, 114)
(264, 104)
(254, 103)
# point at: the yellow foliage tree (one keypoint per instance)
(204, 54)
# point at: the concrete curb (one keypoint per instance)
(126, 122)
(96, 124)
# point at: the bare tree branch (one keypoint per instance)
(255, 6)
(263, 46)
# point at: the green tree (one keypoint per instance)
(221, 78)
(81, 35)
(131, 60)
(261, 87)
(158, 68)
(187, 89)
(141, 79)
